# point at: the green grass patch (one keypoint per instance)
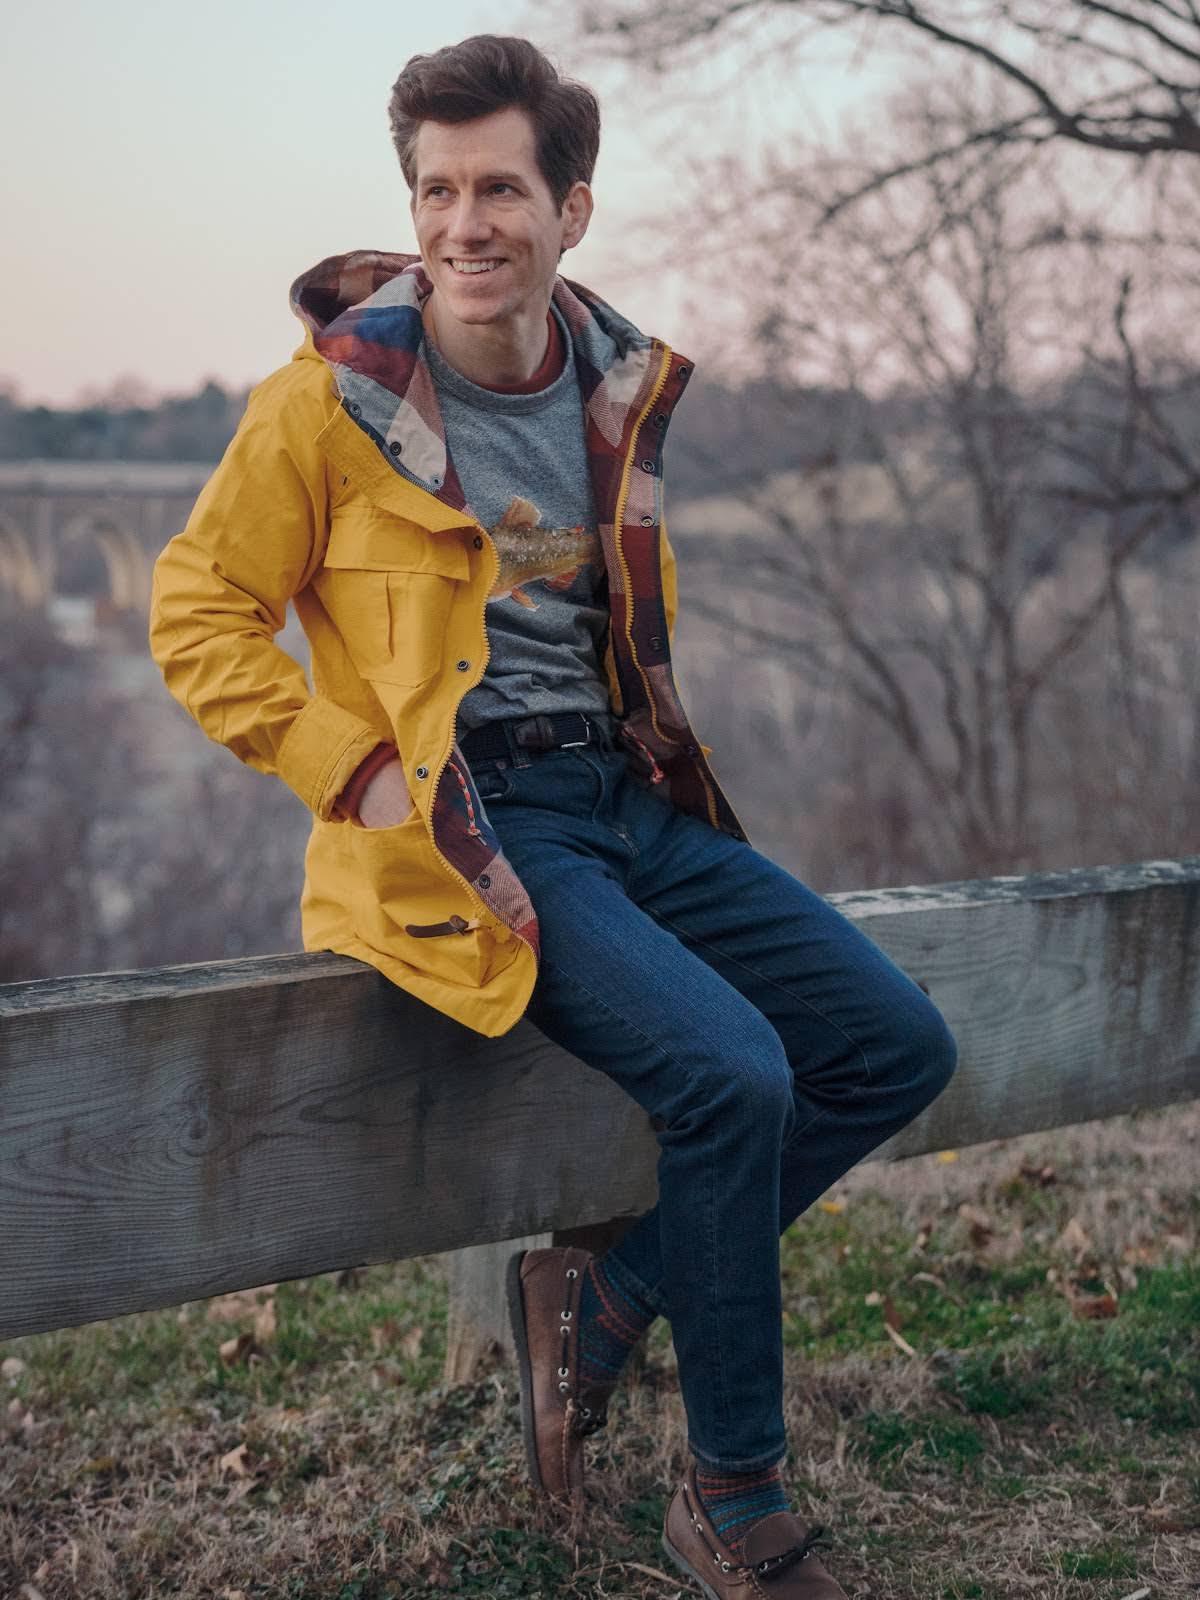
(1109, 1562)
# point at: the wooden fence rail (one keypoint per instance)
(176, 1133)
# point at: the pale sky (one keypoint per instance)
(171, 168)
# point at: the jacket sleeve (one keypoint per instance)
(220, 591)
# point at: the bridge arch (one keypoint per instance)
(22, 586)
(101, 558)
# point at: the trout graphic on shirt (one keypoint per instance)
(528, 552)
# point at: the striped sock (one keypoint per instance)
(612, 1318)
(735, 1501)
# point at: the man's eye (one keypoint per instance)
(496, 187)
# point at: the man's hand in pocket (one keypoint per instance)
(386, 800)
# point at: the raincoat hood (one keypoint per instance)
(362, 313)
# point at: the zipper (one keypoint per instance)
(619, 525)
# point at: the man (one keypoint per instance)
(458, 480)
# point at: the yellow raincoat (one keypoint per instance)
(337, 493)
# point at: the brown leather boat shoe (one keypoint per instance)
(556, 1415)
(777, 1558)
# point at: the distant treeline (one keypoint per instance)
(180, 428)
(721, 437)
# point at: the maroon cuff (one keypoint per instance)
(347, 803)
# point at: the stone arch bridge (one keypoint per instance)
(78, 539)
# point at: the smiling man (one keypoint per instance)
(458, 482)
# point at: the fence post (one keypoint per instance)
(477, 1313)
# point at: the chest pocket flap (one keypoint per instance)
(382, 543)
(390, 587)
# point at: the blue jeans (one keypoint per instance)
(771, 1041)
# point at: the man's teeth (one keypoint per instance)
(473, 266)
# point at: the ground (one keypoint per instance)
(993, 1390)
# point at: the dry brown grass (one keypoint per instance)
(324, 1458)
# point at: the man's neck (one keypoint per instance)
(493, 357)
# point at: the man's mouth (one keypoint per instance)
(470, 267)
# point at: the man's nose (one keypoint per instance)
(469, 224)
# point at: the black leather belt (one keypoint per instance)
(495, 740)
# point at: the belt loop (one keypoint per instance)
(520, 756)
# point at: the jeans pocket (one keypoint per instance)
(493, 784)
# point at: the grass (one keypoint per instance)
(963, 1417)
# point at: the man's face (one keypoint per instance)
(487, 228)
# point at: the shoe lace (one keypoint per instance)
(584, 1418)
(785, 1558)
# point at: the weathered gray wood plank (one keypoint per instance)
(178, 1133)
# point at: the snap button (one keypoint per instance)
(355, 409)
(463, 666)
(478, 541)
(647, 465)
(484, 881)
(395, 447)
(683, 372)
(647, 522)
(422, 772)
(660, 420)
(656, 641)
(436, 481)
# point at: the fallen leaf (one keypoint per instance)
(11, 1368)
(873, 1299)
(1167, 1519)
(264, 1322)
(233, 1350)
(1073, 1239)
(1006, 1247)
(834, 1207)
(241, 1303)
(234, 1461)
(384, 1333)
(1039, 1175)
(924, 1235)
(979, 1223)
(1091, 1305)
(947, 1155)
(412, 1342)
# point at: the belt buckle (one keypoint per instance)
(575, 744)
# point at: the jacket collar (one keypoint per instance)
(363, 312)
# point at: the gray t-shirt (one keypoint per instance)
(523, 466)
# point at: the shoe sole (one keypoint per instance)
(688, 1570)
(516, 1317)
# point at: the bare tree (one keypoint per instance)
(1121, 77)
(963, 567)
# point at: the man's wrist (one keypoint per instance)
(347, 803)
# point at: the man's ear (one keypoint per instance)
(576, 214)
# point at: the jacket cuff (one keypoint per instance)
(347, 803)
(322, 749)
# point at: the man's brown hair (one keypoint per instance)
(491, 72)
